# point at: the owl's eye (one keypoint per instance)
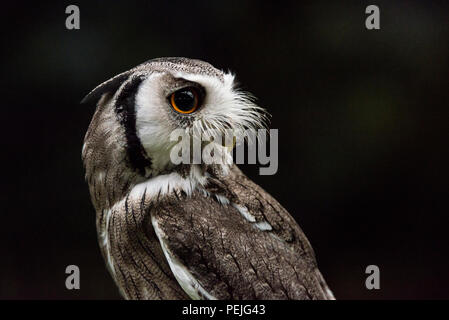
(185, 100)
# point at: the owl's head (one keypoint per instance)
(140, 108)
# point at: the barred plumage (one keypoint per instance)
(195, 231)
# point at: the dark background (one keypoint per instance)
(362, 118)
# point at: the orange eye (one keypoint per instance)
(185, 100)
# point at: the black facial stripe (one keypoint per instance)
(126, 113)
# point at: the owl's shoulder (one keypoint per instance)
(232, 240)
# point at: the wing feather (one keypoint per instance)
(229, 256)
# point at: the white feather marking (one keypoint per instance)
(167, 183)
(244, 212)
(222, 199)
(105, 242)
(263, 226)
(330, 294)
(100, 176)
(185, 279)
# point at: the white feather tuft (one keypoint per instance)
(185, 279)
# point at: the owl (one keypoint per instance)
(187, 231)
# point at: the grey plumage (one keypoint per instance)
(165, 230)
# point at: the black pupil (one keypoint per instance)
(185, 100)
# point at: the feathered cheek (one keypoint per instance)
(226, 114)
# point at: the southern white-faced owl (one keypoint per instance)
(185, 231)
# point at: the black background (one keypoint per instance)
(362, 118)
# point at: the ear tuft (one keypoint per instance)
(114, 83)
(108, 86)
